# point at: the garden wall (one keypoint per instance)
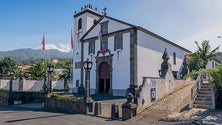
(8, 98)
(64, 105)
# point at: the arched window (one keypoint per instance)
(80, 24)
(174, 58)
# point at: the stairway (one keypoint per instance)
(204, 96)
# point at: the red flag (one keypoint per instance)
(43, 43)
(72, 41)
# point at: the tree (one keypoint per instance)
(66, 65)
(202, 55)
(7, 66)
(36, 71)
(216, 75)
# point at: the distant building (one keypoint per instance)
(121, 53)
(59, 71)
(213, 63)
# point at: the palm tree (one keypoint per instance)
(37, 71)
(203, 54)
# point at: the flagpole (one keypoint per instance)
(72, 59)
(44, 61)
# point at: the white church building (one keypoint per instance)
(122, 53)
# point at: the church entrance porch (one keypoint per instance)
(104, 74)
(104, 78)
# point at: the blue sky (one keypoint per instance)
(23, 22)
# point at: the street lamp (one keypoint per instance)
(50, 69)
(87, 66)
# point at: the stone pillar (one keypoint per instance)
(66, 85)
(10, 84)
(97, 110)
(21, 82)
(114, 112)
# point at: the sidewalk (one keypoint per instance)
(30, 105)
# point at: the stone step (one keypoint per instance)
(203, 102)
(203, 98)
(206, 82)
(207, 86)
(205, 92)
(202, 106)
(204, 95)
(206, 89)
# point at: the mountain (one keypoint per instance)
(22, 55)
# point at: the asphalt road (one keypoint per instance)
(29, 116)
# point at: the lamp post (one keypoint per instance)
(50, 69)
(87, 66)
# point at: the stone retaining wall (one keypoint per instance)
(25, 97)
(8, 98)
(64, 105)
(158, 88)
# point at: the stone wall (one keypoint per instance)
(3, 98)
(30, 85)
(161, 88)
(8, 98)
(64, 105)
(25, 97)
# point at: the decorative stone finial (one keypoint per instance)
(104, 10)
(165, 64)
(165, 55)
(185, 68)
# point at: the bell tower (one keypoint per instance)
(83, 21)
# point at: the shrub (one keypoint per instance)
(66, 97)
(3, 91)
(55, 95)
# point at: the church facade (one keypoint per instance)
(122, 53)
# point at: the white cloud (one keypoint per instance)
(61, 47)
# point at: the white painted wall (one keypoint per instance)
(87, 23)
(121, 66)
(163, 87)
(112, 27)
(150, 51)
(30, 85)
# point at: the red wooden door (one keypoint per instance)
(104, 78)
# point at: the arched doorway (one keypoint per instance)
(104, 78)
